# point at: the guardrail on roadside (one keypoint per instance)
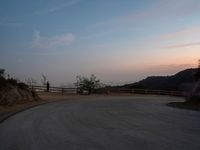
(143, 91)
(55, 89)
(110, 91)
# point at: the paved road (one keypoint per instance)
(104, 123)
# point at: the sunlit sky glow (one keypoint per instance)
(119, 41)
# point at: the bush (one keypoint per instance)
(12, 81)
(22, 85)
(2, 82)
(87, 85)
(2, 72)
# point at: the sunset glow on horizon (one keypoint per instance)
(119, 41)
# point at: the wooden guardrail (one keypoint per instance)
(110, 91)
(55, 89)
(159, 92)
(143, 91)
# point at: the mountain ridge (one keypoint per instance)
(179, 81)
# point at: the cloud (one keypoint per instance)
(188, 37)
(57, 8)
(183, 45)
(176, 66)
(186, 32)
(52, 42)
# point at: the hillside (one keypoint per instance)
(14, 92)
(179, 81)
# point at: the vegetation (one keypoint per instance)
(2, 72)
(13, 91)
(10, 81)
(197, 74)
(194, 96)
(193, 99)
(85, 84)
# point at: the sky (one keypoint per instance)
(120, 41)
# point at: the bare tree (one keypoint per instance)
(44, 80)
(30, 81)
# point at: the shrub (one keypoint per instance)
(87, 84)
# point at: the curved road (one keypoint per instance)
(104, 123)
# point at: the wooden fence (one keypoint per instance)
(110, 91)
(143, 91)
(55, 89)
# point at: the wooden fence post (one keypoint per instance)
(62, 91)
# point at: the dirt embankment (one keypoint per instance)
(44, 97)
(11, 95)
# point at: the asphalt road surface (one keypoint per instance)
(103, 123)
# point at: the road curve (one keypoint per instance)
(104, 123)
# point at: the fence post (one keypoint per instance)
(62, 91)
(146, 91)
(133, 91)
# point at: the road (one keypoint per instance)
(103, 123)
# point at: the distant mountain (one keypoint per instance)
(174, 82)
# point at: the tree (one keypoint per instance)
(87, 84)
(2, 72)
(30, 81)
(44, 80)
(197, 74)
(194, 95)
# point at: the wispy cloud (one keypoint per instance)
(187, 37)
(57, 8)
(183, 45)
(186, 32)
(52, 42)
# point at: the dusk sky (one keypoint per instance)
(119, 41)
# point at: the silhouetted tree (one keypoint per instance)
(197, 74)
(194, 95)
(2, 72)
(2, 79)
(88, 84)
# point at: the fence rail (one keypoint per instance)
(110, 91)
(55, 89)
(143, 91)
